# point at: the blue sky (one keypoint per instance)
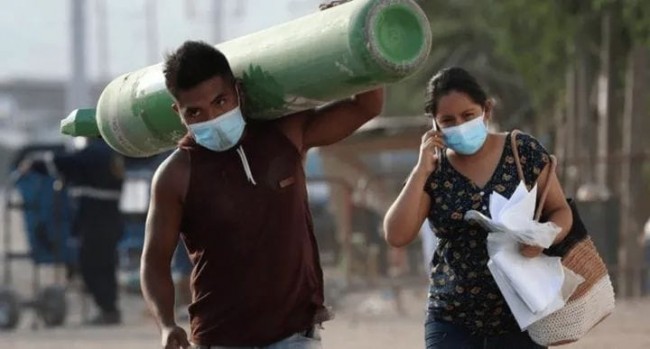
(35, 34)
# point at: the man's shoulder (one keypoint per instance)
(177, 160)
(264, 125)
(173, 172)
(290, 127)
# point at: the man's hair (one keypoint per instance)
(193, 63)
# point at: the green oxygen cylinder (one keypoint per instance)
(294, 66)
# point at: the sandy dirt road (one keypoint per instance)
(369, 320)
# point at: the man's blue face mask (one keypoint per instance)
(220, 133)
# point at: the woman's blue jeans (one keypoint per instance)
(445, 335)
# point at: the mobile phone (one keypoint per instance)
(436, 150)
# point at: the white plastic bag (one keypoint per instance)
(532, 287)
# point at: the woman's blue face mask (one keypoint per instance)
(466, 138)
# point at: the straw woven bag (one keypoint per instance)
(593, 301)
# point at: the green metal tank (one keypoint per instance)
(291, 67)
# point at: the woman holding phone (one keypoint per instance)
(460, 164)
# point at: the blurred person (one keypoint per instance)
(460, 164)
(94, 174)
(235, 191)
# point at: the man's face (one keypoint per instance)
(207, 100)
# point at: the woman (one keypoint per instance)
(459, 166)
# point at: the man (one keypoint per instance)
(236, 189)
(94, 174)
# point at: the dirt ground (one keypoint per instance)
(364, 320)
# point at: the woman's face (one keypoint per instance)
(456, 108)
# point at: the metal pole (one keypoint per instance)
(77, 94)
(217, 20)
(151, 15)
(103, 61)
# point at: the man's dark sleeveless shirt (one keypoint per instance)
(256, 276)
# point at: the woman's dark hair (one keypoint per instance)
(453, 79)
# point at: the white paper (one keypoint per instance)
(532, 287)
(521, 312)
(515, 216)
(539, 280)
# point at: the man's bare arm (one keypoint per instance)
(333, 122)
(161, 237)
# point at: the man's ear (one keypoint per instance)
(178, 113)
(241, 92)
(239, 86)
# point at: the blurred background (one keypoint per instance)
(573, 73)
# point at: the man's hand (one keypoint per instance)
(174, 337)
(326, 5)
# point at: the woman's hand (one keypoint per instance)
(432, 142)
(530, 251)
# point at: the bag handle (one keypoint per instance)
(520, 172)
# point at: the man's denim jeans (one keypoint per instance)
(299, 340)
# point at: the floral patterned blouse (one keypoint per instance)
(462, 289)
